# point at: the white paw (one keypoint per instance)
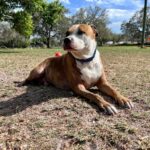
(128, 105)
(111, 110)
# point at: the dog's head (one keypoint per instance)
(80, 38)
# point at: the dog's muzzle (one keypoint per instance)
(67, 43)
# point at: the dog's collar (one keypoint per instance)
(87, 59)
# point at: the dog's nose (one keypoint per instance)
(67, 40)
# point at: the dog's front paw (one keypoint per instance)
(110, 109)
(128, 104)
(125, 102)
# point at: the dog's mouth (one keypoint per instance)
(68, 47)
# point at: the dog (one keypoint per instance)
(79, 69)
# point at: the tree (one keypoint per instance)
(132, 29)
(19, 14)
(22, 22)
(49, 18)
(10, 38)
(80, 16)
(7, 7)
(115, 37)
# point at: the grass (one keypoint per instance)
(47, 118)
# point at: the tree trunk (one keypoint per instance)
(49, 38)
(48, 43)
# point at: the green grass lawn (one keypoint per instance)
(47, 118)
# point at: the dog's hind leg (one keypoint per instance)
(37, 74)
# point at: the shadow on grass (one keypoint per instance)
(35, 95)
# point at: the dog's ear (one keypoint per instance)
(94, 29)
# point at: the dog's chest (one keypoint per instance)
(91, 71)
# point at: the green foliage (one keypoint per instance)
(132, 29)
(7, 7)
(32, 6)
(27, 15)
(23, 23)
(53, 13)
(49, 18)
(3, 9)
(19, 13)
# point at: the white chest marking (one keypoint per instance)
(91, 71)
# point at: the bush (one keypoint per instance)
(10, 38)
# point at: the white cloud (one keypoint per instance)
(117, 16)
(117, 1)
(120, 14)
(98, 1)
(107, 1)
(65, 1)
(89, 0)
(119, 10)
(138, 4)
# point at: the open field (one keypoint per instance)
(46, 118)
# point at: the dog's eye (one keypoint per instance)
(80, 32)
(67, 33)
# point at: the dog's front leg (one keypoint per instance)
(81, 90)
(105, 87)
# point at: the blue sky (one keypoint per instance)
(118, 10)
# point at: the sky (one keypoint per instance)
(118, 10)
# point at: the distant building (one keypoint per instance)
(109, 43)
(148, 39)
